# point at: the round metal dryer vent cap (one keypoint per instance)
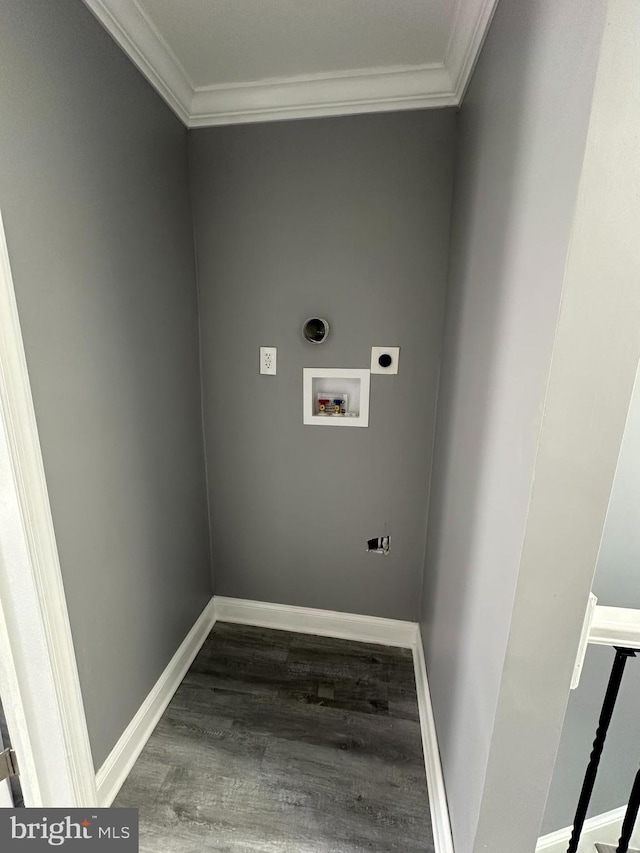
(315, 330)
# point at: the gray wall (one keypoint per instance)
(595, 360)
(347, 218)
(522, 137)
(94, 194)
(617, 577)
(616, 585)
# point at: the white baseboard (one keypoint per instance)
(440, 822)
(324, 623)
(303, 620)
(604, 828)
(111, 776)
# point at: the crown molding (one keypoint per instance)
(130, 28)
(373, 90)
(342, 93)
(471, 25)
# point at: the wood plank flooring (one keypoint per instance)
(285, 743)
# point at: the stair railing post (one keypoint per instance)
(630, 816)
(610, 697)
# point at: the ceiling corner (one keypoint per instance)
(379, 89)
(130, 28)
(471, 25)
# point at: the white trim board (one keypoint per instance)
(615, 626)
(38, 671)
(369, 90)
(440, 821)
(111, 776)
(604, 828)
(130, 28)
(465, 43)
(366, 90)
(323, 623)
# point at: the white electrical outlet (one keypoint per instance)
(268, 357)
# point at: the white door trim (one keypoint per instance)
(38, 674)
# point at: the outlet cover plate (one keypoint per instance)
(268, 358)
(376, 352)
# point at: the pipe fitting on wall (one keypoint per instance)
(315, 330)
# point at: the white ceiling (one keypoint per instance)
(226, 61)
(237, 41)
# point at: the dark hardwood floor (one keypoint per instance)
(285, 743)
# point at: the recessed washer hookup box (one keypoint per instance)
(335, 396)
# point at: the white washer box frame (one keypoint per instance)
(311, 373)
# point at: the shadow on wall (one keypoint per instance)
(486, 191)
(616, 585)
(521, 140)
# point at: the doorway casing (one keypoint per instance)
(38, 672)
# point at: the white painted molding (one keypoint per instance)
(370, 90)
(440, 821)
(38, 671)
(132, 30)
(340, 93)
(323, 623)
(111, 776)
(584, 641)
(615, 626)
(465, 43)
(604, 828)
